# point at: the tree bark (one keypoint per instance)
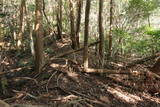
(110, 29)
(86, 34)
(101, 34)
(39, 36)
(73, 32)
(59, 19)
(79, 11)
(45, 13)
(21, 26)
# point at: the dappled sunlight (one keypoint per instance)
(151, 98)
(17, 69)
(5, 63)
(63, 65)
(79, 53)
(73, 74)
(105, 99)
(37, 26)
(57, 65)
(117, 64)
(124, 96)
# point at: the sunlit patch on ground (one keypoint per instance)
(146, 96)
(124, 96)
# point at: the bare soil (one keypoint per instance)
(63, 83)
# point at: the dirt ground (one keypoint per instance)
(63, 83)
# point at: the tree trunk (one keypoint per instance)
(59, 19)
(86, 34)
(44, 13)
(101, 34)
(79, 11)
(1, 6)
(73, 32)
(21, 26)
(110, 30)
(39, 36)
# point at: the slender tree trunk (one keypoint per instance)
(79, 11)
(1, 6)
(101, 34)
(149, 23)
(1, 25)
(39, 36)
(72, 22)
(86, 34)
(44, 13)
(1, 29)
(31, 29)
(21, 26)
(59, 19)
(110, 30)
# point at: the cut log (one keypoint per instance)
(74, 51)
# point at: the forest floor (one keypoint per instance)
(63, 83)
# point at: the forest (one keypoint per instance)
(79, 53)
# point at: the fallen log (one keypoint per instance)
(140, 61)
(106, 71)
(74, 51)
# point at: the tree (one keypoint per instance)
(59, 19)
(101, 33)
(21, 26)
(39, 36)
(72, 24)
(86, 34)
(79, 11)
(110, 29)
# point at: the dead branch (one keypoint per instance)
(85, 97)
(28, 78)
(14, 70)
(107, 71)
(65, 98)
(25, 94)
(88, 98)
(74, 51)
(50, 80)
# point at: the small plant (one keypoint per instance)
(48, 50)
